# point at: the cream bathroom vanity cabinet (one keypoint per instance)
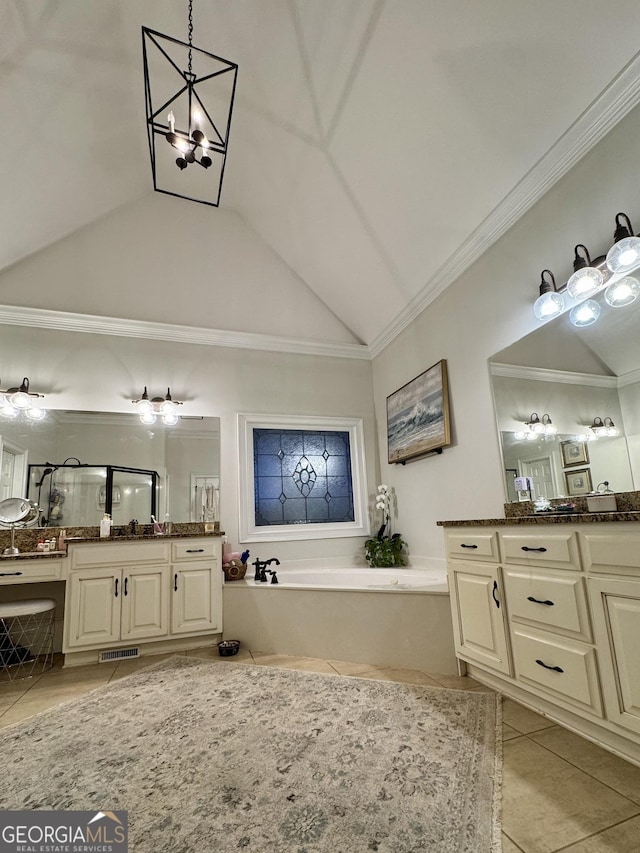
(549, 614)
(124, 594)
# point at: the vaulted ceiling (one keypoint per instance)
(377, 148)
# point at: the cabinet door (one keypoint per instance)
(616, 617)
(93, 607)
(195, 602)
(145, 602)
(478, 615)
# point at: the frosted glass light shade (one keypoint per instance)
(622, 293)
(585, 314)
(35, 413)
(144, 406)
(148, 418)
(585, 282)
(8, 411)
(624, 256)
(21, 400)
(168, 407)
(548, 305)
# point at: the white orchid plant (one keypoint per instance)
(384, 549)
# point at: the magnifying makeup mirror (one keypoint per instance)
(16, 512)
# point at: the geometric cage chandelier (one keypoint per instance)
(189, 96)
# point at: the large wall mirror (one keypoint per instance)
(76, 465)
(573, 375)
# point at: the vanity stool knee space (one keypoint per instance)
(26, 638)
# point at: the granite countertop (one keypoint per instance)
(26, 539)
(545, 518)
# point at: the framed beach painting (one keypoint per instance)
(418, 415)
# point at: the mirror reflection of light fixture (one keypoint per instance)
(149, 408)
(20, 400)
(198, 118)
(624, 255)
(537, 428)
(587, 279)
(550, 303)
(604, 428)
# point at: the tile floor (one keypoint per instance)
(560, 792)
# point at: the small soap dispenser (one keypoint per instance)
(105, 526)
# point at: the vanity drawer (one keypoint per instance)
(565, 669)
(194, 549)
(118, 553)
(616, 550)
(30, 571)
(548, 600)
(473, 545)
(546, 547)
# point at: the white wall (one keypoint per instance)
(104, 373)
(485, 310)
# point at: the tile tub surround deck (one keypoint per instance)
(560, 792)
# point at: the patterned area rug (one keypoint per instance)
(221, 757)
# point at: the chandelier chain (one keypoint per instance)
(190, 32)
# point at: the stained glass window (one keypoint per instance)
(302, 477)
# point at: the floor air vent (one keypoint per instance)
(119, 654)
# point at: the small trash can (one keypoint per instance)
(26, 638)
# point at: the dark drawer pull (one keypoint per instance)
(126, 582)
(9, 574)
(195, 550)
(537, 601)
(175, 583)
(462, 545)
(116, 587)
(526, 548)
(546, 666)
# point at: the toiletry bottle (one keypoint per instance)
(40, 545)
(62, 545)
(105, 526)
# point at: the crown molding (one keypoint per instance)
(540, 374)
(629, 378)
(68, 322)
(610, 107)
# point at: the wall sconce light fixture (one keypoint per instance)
(150, 408)
(604, 428)
(590, 277)
(537, 428)
(20, 399)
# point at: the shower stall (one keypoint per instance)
(75, 494)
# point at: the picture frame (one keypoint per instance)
(418, 421)
(574, 453)
(578, 481)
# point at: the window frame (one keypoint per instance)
(249, 531)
